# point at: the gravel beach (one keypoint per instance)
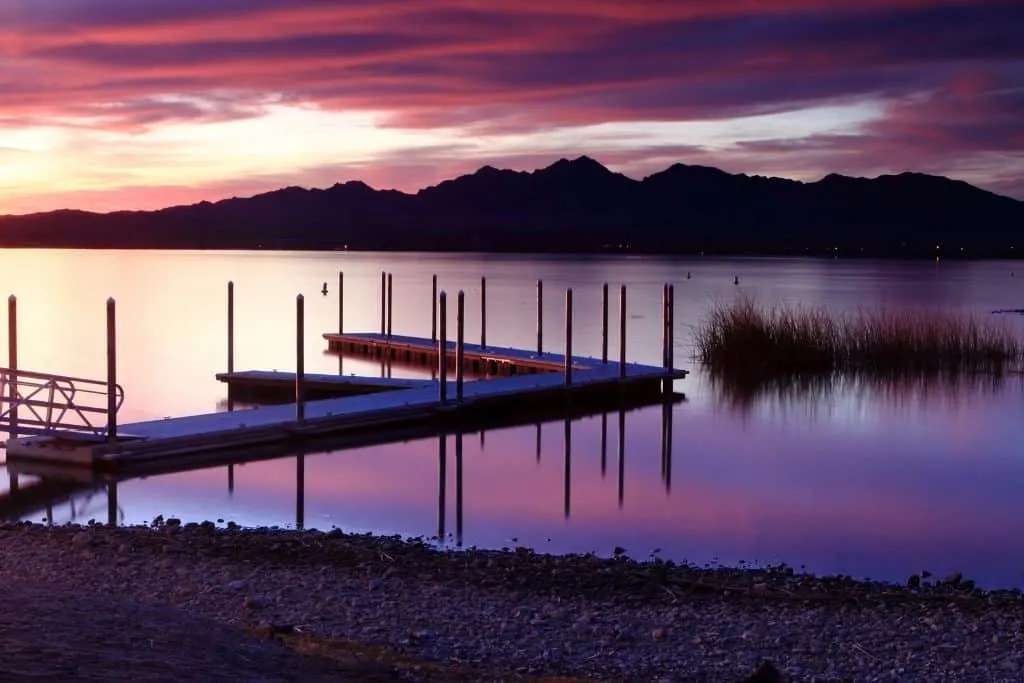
(197, 602)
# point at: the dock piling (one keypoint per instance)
(460, 349)
(111, 374)
(671, 326)
(300, 364)
(231, 326)
(664, 325)
(483, 313)
(622, 331)
(341, 302)
(12, 362)
(383, 302)
(568, 336)
(442, 347)
(540, 317)
(390, 290)
(433, 309)
(604, 324)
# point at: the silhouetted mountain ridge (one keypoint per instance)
(575, 205)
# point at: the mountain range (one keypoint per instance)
(571, 206)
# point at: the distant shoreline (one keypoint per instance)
(818, 255)
(572, 207)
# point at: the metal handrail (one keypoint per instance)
(54, 403)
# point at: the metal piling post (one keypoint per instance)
(460, 358)
(568, 336)
(300, 365)
(442, 348)
(111, 373)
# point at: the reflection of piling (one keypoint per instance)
(460, 350)
(604, 443)
(300, 360)
(538, 441)
(231, 327)
(604, 323)
(300, 491)
(442, 348)
(540, 317)
(12, 364)
(442, 479)
(112, 503)
(622, 456)
(111, 374)
(666, 444)
(568, 466)
(231, 479)
(458, 488)
(568, 336)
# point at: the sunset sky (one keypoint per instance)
(109, 104)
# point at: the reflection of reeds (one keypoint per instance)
(741, 393)
(747, 341)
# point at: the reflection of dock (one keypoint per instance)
(27, 499)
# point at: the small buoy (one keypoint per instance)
(736, 281)
(324, 289)
(687, 275)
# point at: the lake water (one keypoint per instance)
(876, 482)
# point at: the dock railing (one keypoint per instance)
(40, 404)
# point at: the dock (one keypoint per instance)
(362, 415)
(273, 386)
(472, 384)
(482, 360)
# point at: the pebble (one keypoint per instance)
(540, 615)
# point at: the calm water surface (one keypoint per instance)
(872, 481)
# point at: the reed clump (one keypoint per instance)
(755, 343)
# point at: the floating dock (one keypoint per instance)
(481, 360)
(519, 386)
(396, 408)
(272, 386)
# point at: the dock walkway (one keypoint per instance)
(416, 403)
(479, 359)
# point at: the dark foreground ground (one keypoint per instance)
(170, 603)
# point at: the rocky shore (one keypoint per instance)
(198, 602)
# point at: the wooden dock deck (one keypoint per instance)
(484, 360)
(367, 415)
(272, 386)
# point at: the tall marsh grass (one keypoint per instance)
(758, 344)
